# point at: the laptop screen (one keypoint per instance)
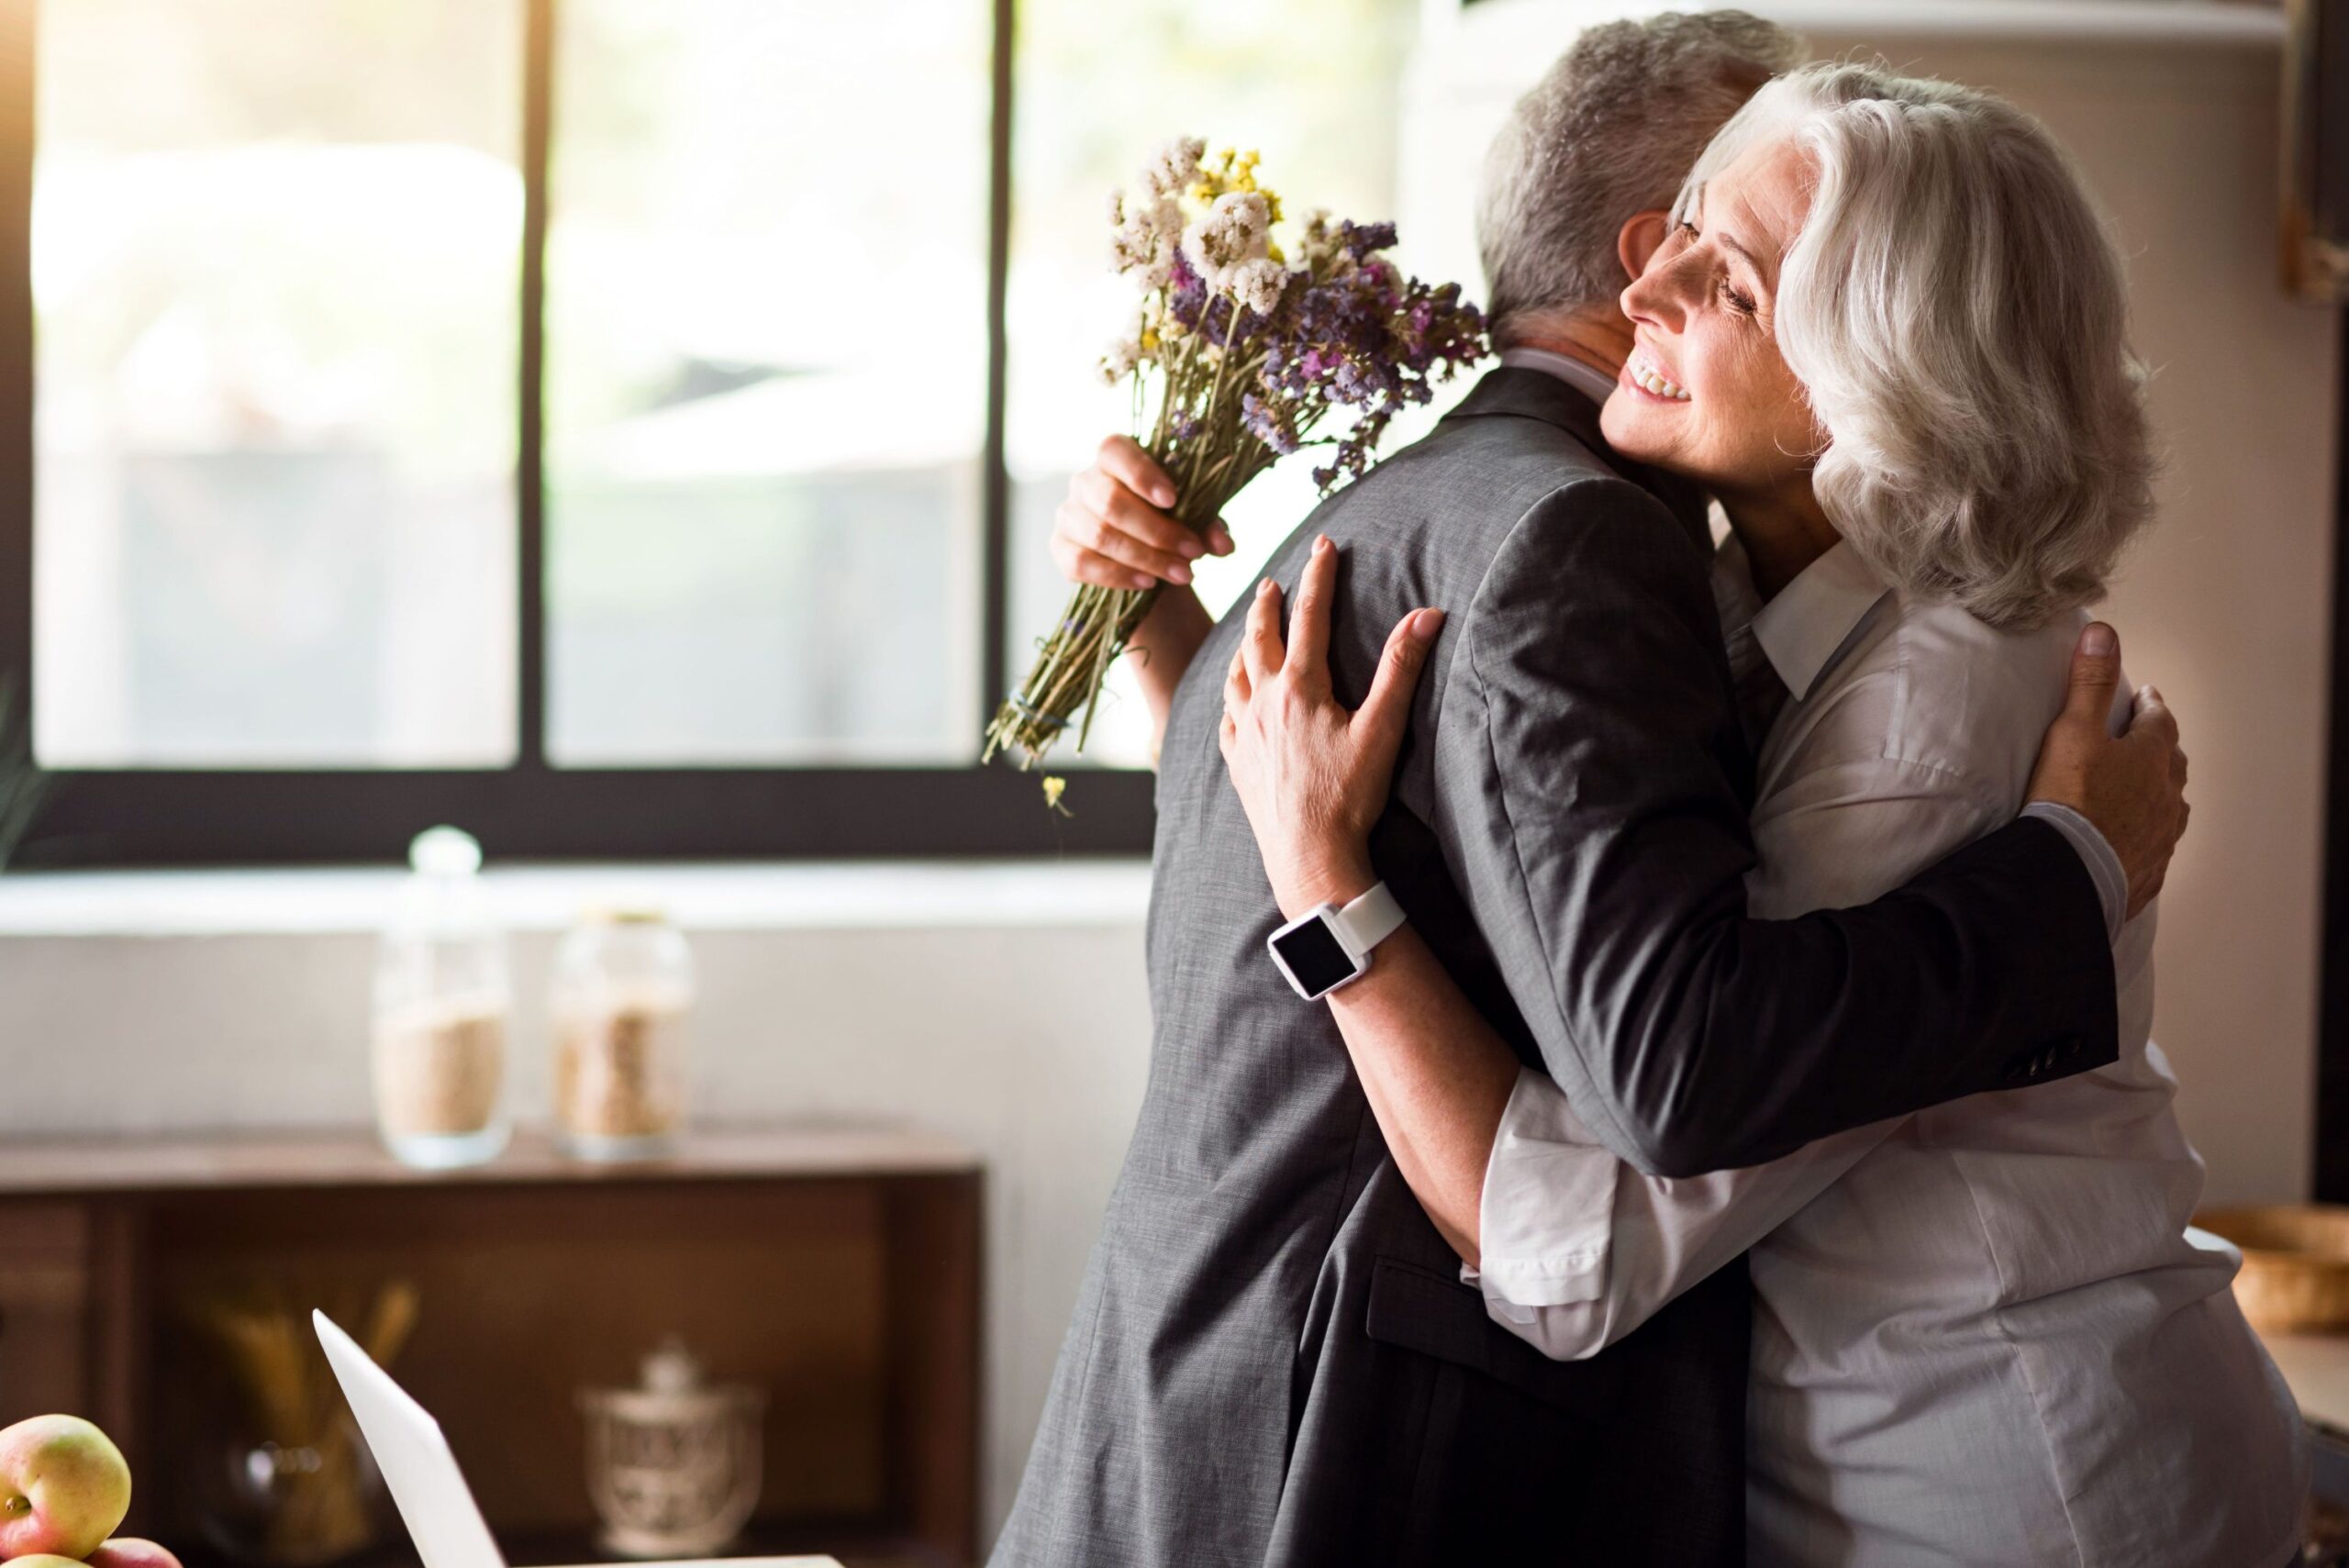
(434, 1501)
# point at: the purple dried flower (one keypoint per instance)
(1268, 421)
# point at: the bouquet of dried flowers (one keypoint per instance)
(23, 787)
(1247, 350)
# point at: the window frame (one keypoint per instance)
(2330, 1134)
(530, 808)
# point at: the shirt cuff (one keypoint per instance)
(1546, 1218)
(2104, 866)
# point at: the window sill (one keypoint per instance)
(737, 896)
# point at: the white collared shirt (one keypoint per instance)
(1982, 1336)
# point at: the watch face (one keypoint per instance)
(1313, 954)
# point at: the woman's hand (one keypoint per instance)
(1313, 777)
(1112, 532)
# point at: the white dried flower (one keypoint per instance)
(1238, 229)
(1319, 242)
(1144, 243)
(1131, 247)
(1172, 167)
(1119, 361)
(1258, 285)
(1164, 217)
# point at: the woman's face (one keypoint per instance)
(1704, 392)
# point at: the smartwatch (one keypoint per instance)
(1328, 947)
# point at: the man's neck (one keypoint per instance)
(1599, 338)
(1782, 534)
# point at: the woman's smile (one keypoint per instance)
(1646, 375)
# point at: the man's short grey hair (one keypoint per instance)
(1608, 133)
(1958, 313)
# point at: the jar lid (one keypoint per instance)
(444, 852)
(622, 914)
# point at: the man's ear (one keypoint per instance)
(1639, 239)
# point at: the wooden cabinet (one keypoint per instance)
(836, 1269)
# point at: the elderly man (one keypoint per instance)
(1274, 1360)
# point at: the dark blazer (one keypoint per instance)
(1273, 1358)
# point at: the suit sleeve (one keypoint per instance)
(1588, 796)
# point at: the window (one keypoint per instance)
(1316, 86)
(620, 427)
(275, 268)
(768, 458)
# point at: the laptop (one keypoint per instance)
(421, 1471)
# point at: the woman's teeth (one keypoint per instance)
(1648, 379)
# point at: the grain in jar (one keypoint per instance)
(622, 996)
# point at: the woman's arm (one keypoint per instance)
(1313, 778)
(1110, 532)
(1576, 1249)
(1437, 1078)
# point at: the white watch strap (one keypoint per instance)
(1370, 919)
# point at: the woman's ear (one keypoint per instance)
(1639, 239)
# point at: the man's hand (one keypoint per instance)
(1110, 531)
(2132, 788)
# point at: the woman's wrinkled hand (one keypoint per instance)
(1112, 532)
(1312, 776)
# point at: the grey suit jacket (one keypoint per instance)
(1273, 1358)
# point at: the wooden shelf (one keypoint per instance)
(353, 1158)
(836, 1268)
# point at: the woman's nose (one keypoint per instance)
(1654, 298)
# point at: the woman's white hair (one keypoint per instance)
(1958, 315)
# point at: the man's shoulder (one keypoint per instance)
(1471, 482)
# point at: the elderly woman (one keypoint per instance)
(1887, 331)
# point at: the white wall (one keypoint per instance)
(2226, 606)
(1004, 1007)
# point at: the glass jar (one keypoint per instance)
(442, 1001)
(673, 1466)
(623, 990)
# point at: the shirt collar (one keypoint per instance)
(1592, 382)
(1800, 631)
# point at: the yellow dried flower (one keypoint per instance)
(1053, 789)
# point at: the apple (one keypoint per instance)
(130, 1552)
(44, 1560)
(64, 1488)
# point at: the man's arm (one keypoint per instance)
(1588, 797)
(1579, 1251)
(1570, 1278)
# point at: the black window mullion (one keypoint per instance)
(18, 38)
(994, 676)
(529, 477)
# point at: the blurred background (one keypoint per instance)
(628, 429)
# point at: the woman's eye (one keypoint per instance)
(1736, 300)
